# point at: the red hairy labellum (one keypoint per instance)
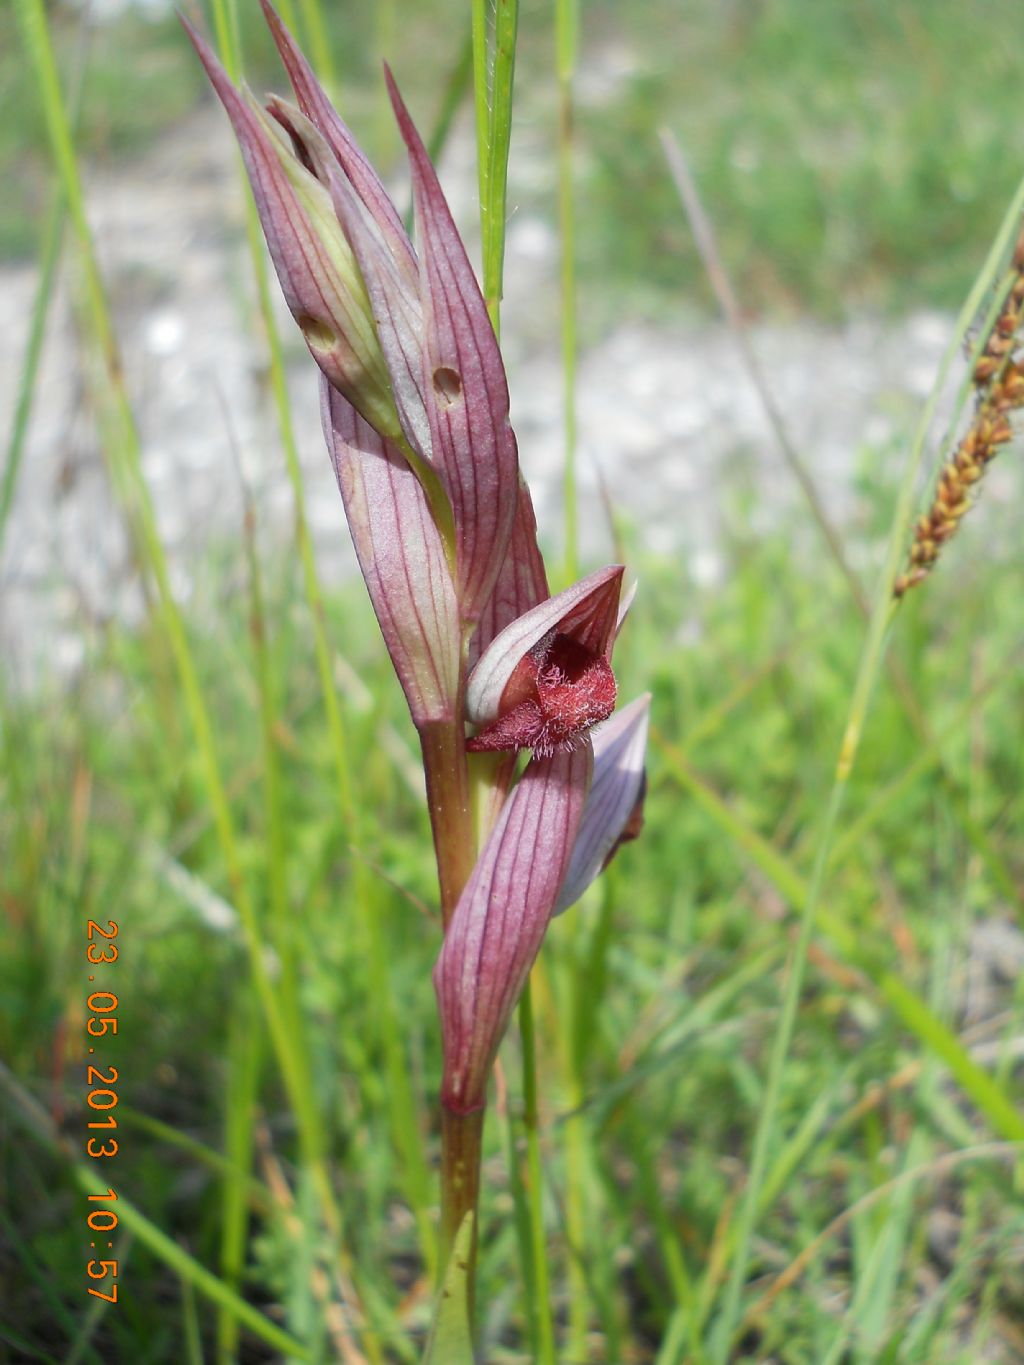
(558, 690)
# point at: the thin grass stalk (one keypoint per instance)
(522, 1224)
(535, 1186)
(872, 656)
(493, 80)
(49, 257)
(244, 1048)
(576, 1131)
(481, 103)
(566, 29)
(577, 1153)
(190, 1329)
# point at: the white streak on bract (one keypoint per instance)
(620, 746)
(625, 602)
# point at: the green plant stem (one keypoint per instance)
(450, 807)
(481, 99)
(566, 25)
(883, 613)
(584, 983)
(535, 1178)
(493, 86)
(492, 227)
(244, 1047)
(461, 1153)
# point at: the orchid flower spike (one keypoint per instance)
(415, 410)
(406, 339)
(412, 372)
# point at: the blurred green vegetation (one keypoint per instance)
(681, 948)
(852, 155)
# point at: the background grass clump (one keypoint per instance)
(681, 950)
(854, 157)
(857, 155)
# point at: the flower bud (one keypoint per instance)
(320, 277)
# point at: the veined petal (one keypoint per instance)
(393, 294)
(466, 393)
(522, 580)
(620, 746)
(500, 920)
(319, 276)
(586, 613)
(318, 109)
(401, 556)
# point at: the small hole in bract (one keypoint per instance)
(318, 335)
(447, 385)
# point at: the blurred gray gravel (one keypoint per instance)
(664, 413)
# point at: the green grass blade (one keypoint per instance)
(53, 236)
(36, 1122)
(566, 26)
(535, 1185)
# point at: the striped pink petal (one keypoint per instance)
(401, 556)
(499, 923)
(473, 446)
